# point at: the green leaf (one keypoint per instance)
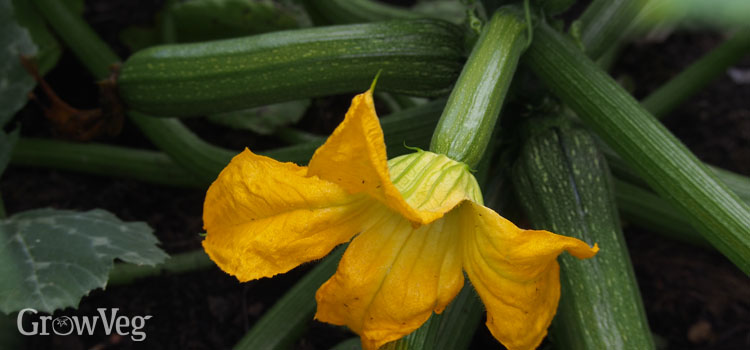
(15, 83)
(50, 258)
(263, 120)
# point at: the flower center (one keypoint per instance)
(428, 180)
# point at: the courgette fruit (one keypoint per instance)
(417, 57)
(563, 183)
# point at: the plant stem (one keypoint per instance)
(739, 184)
(646, 145)
(82, 40)
(202, 159)
(148, 166)
(176, 264)
(691, 80)
(605, 23)
(645, 209)
(466, 125)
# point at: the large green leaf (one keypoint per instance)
(15, 83)
(263, 120)
(50, 258)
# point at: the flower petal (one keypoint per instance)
(515, 272)
(354, 157)
(392, 277)
(263, 217)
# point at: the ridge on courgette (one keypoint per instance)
(564, 185)
(417, 57)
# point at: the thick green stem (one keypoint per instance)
(465, 128)
(647, 146)
(739, 184)
(202, 159)
(176, 264)
(691, 80)
(604, 24)
(647, 210)
(148, 166)
(285, 321)
(82, 40)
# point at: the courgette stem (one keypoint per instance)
(281, 325)
(699, 74)
(604, 24)
(202, 159)
(179, 263)
(100, 159)
(647, 146)
(81, 39)
(647, 210)
(739, 184)
(469, 118)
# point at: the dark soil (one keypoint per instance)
(695, 298)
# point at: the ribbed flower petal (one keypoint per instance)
(515, 272)
(354, 157)
(392, 277)
(263, 217)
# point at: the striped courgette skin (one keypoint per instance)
(417, 57)
(564, 185)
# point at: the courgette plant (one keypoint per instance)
(493, 105)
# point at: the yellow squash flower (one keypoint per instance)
(418, 222)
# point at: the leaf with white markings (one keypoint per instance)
(263, 120)
(50, 259)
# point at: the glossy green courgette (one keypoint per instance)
(417, 57)
(564, 186)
